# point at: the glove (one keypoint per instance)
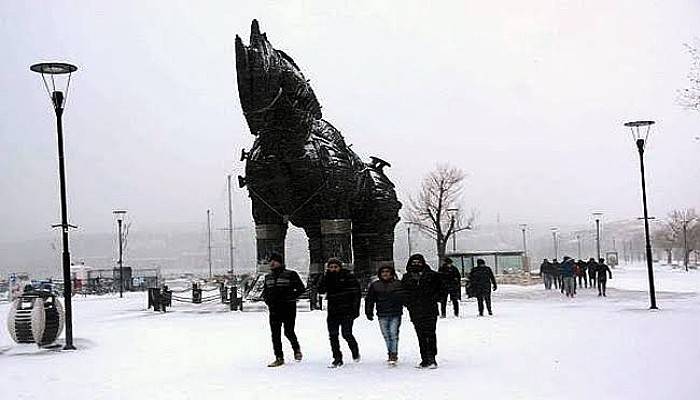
(370, 317)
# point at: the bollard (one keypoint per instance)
(196, 294)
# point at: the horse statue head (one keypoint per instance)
(277, 100)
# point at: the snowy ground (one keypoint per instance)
(538, 345)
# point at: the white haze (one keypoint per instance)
(527, 97)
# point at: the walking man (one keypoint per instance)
(545, 274)
(592, 268)
(452, 281)
(281, 289)
(343, 296)
(423, 288)
(386, 293)
(603, 271)
(556, 277)
(481, 279)
(568, 271)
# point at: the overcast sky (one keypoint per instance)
(527, 97)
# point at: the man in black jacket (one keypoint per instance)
(452, 281)
(592, 267)
(387, 293)
(546, 274)
(343, 294)
(423, 288)
(481, 278)
(281, 289)
(602, 271)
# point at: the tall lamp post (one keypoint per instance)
(408, 237)
(640, 134)
(556, 242)
(452, 212)
(597, 216)
(526, 259)
(119, 216)
(58, 100)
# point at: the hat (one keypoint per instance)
(275, 257)
(480, 261)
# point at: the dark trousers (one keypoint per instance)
(286, 319)
(555, 279)
(601, 286)
(344, 325)
(592, 280)
(427, 340)
(482, 297)
(454, 298)
(582, 280)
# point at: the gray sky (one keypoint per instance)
(527, 97)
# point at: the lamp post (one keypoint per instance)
(597, 216)
(523, 228)
(58, 100)
(556, 244)
(578, 243)
(639, 129)
(452, 212)
(686, 254)
(119, 216)
(408, 237)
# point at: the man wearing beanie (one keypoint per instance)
(281, 289)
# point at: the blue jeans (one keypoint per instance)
(390, 330)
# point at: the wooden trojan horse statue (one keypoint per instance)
(301, 171)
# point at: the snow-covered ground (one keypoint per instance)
(538, 345)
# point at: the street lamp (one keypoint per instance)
(556, 244)
(597, 215)
(452, 212)
(408, 234)
(58, 100)
(640, 134)
(523, 228)
(119, 216)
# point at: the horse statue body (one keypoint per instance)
(301, 171)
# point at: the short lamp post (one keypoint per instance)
(556, 242)
(640, 134)
(119, 216)
(452, 212)
(597, 216)
(54, 73)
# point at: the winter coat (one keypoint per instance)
(555, 268)
(568, 269)
(388, 296)
(592, 269)
(342, 291)
(451, 278)
(581, 271)
(423, 288)
(281, 289)
(480, 280)
(545, 268)
(603, 271)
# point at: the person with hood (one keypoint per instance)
(546, 274)
(603, 271)
(386, 294)
(481, 278)
(342, 290)
(452, 282)
(281, 288)
(568, 271)
(592, 269)
(556, 277)
(582, 273)
(423, 288)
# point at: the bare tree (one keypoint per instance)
(665, 238)
(436, 209)
(689, 97)
(684, 225)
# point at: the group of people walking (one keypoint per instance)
(564, 275)
(419, 290)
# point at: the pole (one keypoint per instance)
(597, 238)
(454, 236)
(556, 247)
(685, 244)
(408, 231)
(578, 240)
(650, 270)
(121, 261)
(209, 240)
(230, 225)
(57, 98)
(524, 242)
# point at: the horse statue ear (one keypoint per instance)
(378, 164)
(241, 181)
